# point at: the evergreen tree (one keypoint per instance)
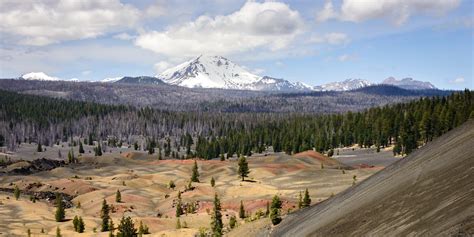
(195, 175)
(213, 182)
(143, 229)
(81, 148)
(275, 210)
(243, 168)
(306, 199)
(126, 228)
(179, 208)
(81, 226)
(300, 201)
(216, 224)
(75, 223)
(104, 215)
(60, 212)
(241, 210)
(39, 148)
(118, 196)
(16, 193)
(98, 150)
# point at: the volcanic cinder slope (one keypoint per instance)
(428, 193)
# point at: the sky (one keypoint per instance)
(310, 41)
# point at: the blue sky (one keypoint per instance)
(315, 42)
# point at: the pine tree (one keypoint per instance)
(98, 150)
(111, 227)
(216, 224)
(243, 168)
(91, 142)
(60, 212)
(179, 208)
(16, 193)
(118, 196)
(75, 223)
(143, 229)
(275, 210)
(126, 228)
(81, 226)
(81, 148)
(195, 175)
(300, 201)
(306, 199)
(241, 210)
(213, 182)
(104, 215)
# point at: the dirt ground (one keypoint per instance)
(143, 183)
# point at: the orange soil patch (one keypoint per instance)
(277, 168)
(318, 156)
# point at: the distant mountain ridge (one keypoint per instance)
(221, 73)
(346, 85)
(409, 83)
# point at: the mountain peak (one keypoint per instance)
(41, 76)
(409, 83)
(346, 85)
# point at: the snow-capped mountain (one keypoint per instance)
(346, 85)
(219, 72)
(41, 76)
(409, 83)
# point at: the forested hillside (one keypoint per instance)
(28, 118)
(176, 98)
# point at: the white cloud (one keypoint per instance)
(326, 13)
(396, 11)
(269, 25)
(333, 38)
(161, 66)
(155, 10)
(124, 36)
(86, 72)
(46, 22)
(459, 80)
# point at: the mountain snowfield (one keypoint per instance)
(218, 72)
(41, 76)
(346, 85)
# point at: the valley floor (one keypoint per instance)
(143, 183)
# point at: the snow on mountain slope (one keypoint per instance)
(346, 85)
(110, 79)
(409, 83)
(219, 72)
(41, 76)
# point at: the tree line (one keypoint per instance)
(28, 118)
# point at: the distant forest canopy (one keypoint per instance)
(176, 98)
(29, 118)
